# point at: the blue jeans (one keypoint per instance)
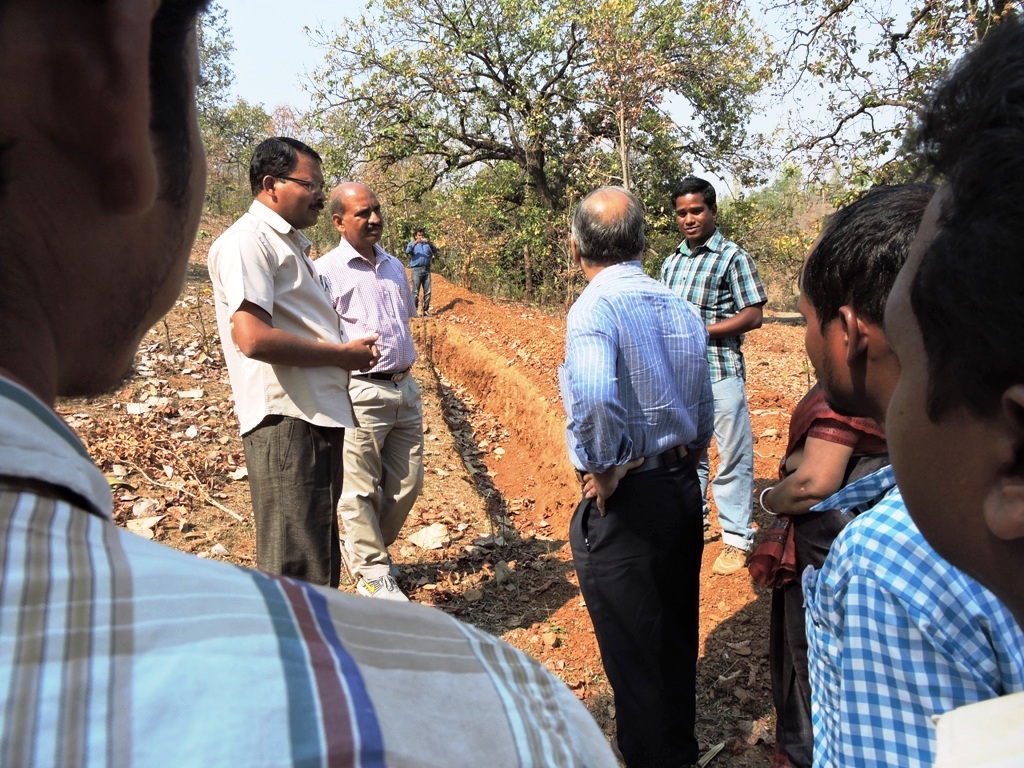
(733, 485)
(421, 277)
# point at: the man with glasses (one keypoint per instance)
(288, 360)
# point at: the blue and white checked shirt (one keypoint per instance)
(720, 279)
(635, 378)
(896, 635)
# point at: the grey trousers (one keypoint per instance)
(295, 476)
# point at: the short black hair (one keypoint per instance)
(691, 185)
(861, 249)
(968, 293)
(276, 156)
(603, 242)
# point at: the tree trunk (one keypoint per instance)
(528, 291)
(624, 146)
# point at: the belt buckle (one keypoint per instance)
(399, 376)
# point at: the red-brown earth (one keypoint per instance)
(499, 490)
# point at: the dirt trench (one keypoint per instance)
(499, 490)
(502, 359)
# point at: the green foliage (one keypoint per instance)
(229, 132)
(530, 104)
(777, 225)
(495, 236)
(873, 62)
(230, 141)
(213, 37)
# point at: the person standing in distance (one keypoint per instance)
(383, 456)
(288, 361)
(720, 279)
(421, 252)
(638, 399)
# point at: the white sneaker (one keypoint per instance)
(385, 588)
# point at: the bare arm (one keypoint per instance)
(819, 475)
(601, 485)
(747, 319)
(253, 331)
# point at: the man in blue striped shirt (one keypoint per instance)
(721, 280)
(637, 394)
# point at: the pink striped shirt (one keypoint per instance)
(372, 298)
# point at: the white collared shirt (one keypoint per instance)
(264, 260)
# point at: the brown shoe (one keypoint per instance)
(730, 560)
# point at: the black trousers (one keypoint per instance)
(295, 475)
(791, 687)
(639, 571)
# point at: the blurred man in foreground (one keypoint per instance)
(895, 633)
(955, 319)
(116, 651)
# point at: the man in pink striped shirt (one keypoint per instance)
(383, 455)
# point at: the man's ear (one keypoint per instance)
(574, 251)
(95, 105)
(1004, 504)
(336, 220)
(855, 333)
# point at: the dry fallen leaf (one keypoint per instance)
(434, 536)
(143, 526)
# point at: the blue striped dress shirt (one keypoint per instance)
(635, 379)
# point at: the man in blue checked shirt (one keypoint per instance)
(956, 322)
(638, 398)
(896, 635)
(721, 280)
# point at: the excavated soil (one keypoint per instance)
(487, 540)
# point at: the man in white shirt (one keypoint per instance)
(288, 361)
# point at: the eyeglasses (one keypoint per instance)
(310, 186)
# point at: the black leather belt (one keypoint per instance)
(663, 459)
(397, 376)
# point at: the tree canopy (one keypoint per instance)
(569, 94)
(874, 62)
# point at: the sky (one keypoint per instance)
(272, 53)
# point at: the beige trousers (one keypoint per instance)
(383, 459)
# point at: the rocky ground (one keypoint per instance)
(487, 540)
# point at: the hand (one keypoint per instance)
(601, 485)
(360, 354)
